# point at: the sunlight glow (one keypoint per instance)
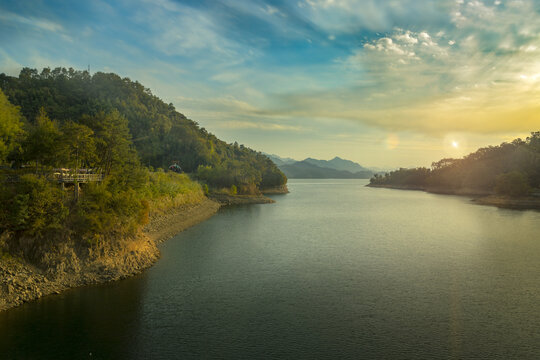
(392, 141)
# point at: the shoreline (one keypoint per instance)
(477, 197)
(228, 200)
(524, 203)
(21, 282)
(276, 190)
(162, 227)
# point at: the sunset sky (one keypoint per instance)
(384, 83)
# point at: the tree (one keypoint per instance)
(10, 128)
(512, 184)
(42, 143)
(77, 145)
(113, 141)
(32, 206)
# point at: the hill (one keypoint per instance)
(338, 163)
(160, 134)
(307, 170)
(509, 169)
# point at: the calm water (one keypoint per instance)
(332, 270)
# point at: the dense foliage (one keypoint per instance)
(161, 135)
(511, 169)
(10, 128)
(35, 209)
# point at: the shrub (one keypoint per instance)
(32, 206)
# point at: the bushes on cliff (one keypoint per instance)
(31, 207)
(168, 190)
(106, 212)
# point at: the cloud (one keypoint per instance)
(37, 23)
(259, 126)
(413, 65)
(480, 73)
(181, 30)
(228, 104)
(352, 16)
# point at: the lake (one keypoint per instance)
(333, 270)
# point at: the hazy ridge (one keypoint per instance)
(310, 168)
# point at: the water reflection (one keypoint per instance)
(93, 322)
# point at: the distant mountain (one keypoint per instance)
(278, 160)
(307, 170)
(310, 168)
(338, 163)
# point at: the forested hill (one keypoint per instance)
(511, 169)
(159, 133)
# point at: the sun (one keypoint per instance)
(455, 144)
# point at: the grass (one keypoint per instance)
(171, 190)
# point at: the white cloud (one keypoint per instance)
(186, 31)
(478, 74)
(406, 38)
(351, 16)
(259, 125)
(37, 23)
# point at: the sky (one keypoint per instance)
(386, 83)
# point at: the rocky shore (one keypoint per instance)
(225, 199)
(164, 226)
(69, 266)
(282, 189)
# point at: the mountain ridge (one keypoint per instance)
(311, 168)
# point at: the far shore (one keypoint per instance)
(478, 197)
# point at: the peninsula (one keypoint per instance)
(95, 170)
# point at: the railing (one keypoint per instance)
(65, 178)
(80, 178)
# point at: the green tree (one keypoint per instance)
(77, 147)
(42, 142)
(113, 141)
(11, 128)
(512, 184)
(33, 206)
